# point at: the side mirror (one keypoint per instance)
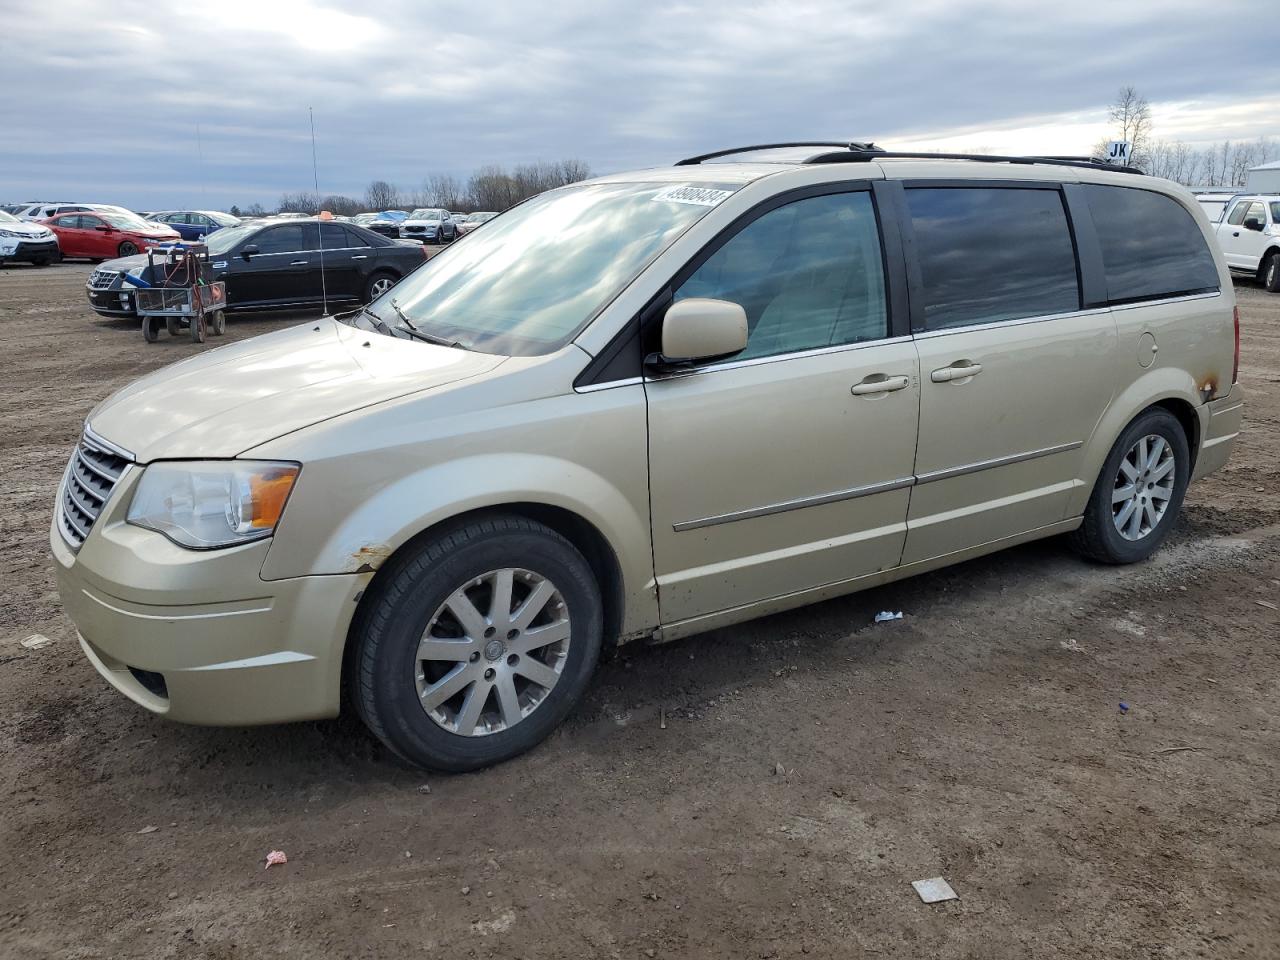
(248, 250)
(702, 329)
(103, 228)
(1253, 223)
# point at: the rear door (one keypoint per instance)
(1014, 372)
(341, 269)
(788, 466)
(70, 237)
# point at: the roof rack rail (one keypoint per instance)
(856, 152)
(716, 154)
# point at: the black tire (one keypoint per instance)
(1271, 273)
(400, 606)
(218, 323)
(127, 249)
(173, 325)
(1098, 537)
(199, 328)
(151, 329)
(374, 278)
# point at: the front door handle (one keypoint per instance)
(360, 256)
(879, 383)
(297, 263)
(1236, 234)
(957, 371)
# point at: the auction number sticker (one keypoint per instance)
(701, 196)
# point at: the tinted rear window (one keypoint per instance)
(991, 253)
(1151, 246)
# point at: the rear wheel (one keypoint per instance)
(199, 328)
(127, 249)
(1138, 495)
(473, 648)
(218, 323)
(1271, 273)
(378, 284)
(173, 325)
(151, 329)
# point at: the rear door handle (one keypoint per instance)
(879, 383)
(957, 371)
(297, 263)
(360, 256)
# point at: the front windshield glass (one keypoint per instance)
(122, 222)
(530, 282)
(426, 215)
(222, 241)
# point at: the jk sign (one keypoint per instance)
(1118, 151)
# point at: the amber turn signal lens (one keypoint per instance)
(268, 493)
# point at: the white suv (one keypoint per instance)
(1250, 238)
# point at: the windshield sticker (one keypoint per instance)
(700, 196)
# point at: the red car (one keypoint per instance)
(102, 235)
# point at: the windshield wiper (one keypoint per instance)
(413, 331)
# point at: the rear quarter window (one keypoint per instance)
(1151, 245)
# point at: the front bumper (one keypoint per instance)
(198, 636)
(28, 251)
(112, 302)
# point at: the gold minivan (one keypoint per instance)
(641, 407)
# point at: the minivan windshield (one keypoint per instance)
(528, 282)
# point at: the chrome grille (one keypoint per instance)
(92, 474)
(102, 279)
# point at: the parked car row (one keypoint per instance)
(277, 263)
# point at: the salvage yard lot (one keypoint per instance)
(812, 764)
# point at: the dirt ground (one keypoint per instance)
(980, 739)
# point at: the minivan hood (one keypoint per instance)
(226, 401)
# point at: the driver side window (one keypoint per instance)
(809, 274)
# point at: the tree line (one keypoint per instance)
(489, 188)
(1224, 164)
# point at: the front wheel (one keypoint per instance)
(218, 323)
(1271, 273)
(472, 648)
(1138, 495)
(151, 329)
(199, 327)
(127, 249)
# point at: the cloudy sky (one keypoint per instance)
(101, 100)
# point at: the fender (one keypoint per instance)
(1154, 386)
(380, 524)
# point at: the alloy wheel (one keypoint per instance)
(479, 673)
(1143, 487)
(381, 286)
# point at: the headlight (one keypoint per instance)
(17, 235)
(204, 505)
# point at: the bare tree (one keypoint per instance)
(1132, 115)
(442, 190)
(300, 202)
(381, 195)
(340, 206)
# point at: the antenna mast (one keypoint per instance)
(315, 173)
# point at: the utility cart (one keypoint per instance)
(180, 294)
